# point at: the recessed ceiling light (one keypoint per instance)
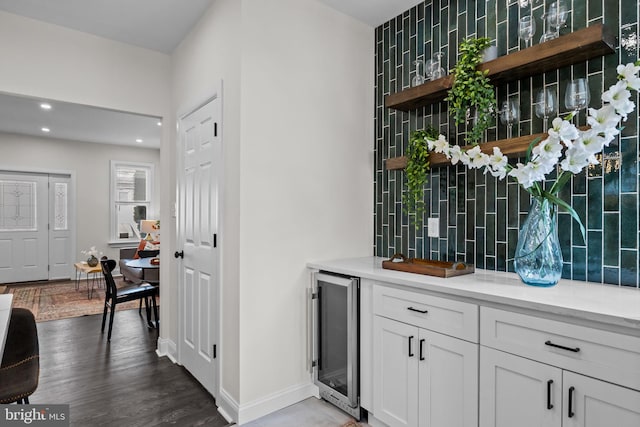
(159, 123)
(45, 106)
(45, 130)
(139, 141)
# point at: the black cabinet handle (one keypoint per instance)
(573, 349)
(549, 404)
(417, 310)
(571, 390)
(421, 350)
(179, 254)
(410, 346)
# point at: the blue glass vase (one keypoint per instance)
(538, 258)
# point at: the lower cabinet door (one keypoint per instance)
(448, 385)
(395, 372)
(592, 403)
(515, 391)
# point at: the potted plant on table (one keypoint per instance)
(92, 256)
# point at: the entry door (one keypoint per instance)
(24, 253)
(200, 156)
(61, 221)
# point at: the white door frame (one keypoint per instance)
(184, 112)
(72, 197)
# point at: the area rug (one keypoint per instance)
(60, 300)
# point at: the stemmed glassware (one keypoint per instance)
(435, 70)
(557, 16)
(545, 105)
(577, 96)
(526, 29)
(418, 79)
(509, 114)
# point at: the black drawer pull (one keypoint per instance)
(574, 349)
(417, 310)
(421, 349)
(410, 346)
(549, 404)
(571, 413)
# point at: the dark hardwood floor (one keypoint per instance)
(122, 383)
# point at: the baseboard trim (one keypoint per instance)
(168, 348)
(274, 402)
(227, 406)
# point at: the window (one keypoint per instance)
(131, 193)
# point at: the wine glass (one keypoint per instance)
(577, 96)
(509, 114)
(545, 105)
(418, 79)
(557, 15)
(526, 29)
(436, 71)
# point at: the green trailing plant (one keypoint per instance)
(471, 90)
(416, 172)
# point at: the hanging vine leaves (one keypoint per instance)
(417, 172)
(471, 89)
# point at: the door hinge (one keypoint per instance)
(314, 363)
(48, 268)
(215, 352)
(215, 240)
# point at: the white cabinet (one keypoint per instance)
(588, 402)
(421, 377)
(518, 391)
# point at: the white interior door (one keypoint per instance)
(24, 252)
(61, 248)
(200, 160)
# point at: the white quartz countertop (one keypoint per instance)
(608, 304)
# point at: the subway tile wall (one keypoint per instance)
(480, 216)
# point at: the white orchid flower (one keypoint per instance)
(590, 141)
(576, 158)
(455, 154)
(604, 118)
(477, 158)
(619, 97)
(548, 148)
(563, 130)
(441, 145)
(629, 74)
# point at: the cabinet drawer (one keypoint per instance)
(455, 318)
(601, 354)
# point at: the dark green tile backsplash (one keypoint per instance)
(480, 216)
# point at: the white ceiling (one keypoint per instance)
(372, 12)
(153, 24)
(67, 121)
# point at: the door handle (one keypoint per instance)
(573, 349)
(549, 404)
(411, 354)
(421, 349)
(179, 254)
(571, 413)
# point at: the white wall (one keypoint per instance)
(51, 62)
(306, 173)
(90, 164)
(209, 54)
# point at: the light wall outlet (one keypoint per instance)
(433, 227)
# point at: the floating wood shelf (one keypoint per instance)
(581, 45)
(512, 147)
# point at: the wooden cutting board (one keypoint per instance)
(427, 267)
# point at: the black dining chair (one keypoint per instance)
(20, 367)
(115, 295)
